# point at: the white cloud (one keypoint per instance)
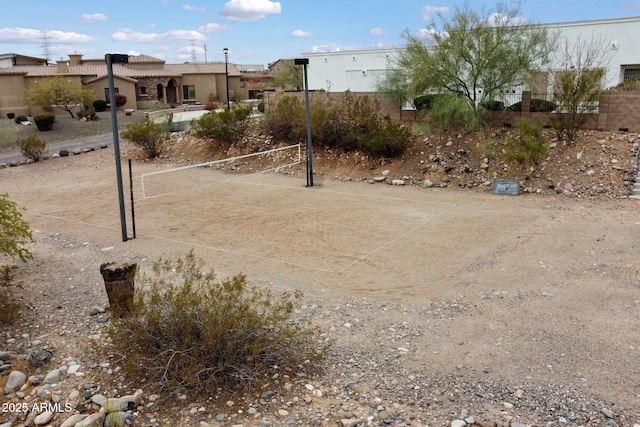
(174, 36)
(193, 8)
(94, 17)
(502, 20)
(211, 27)
(249, 10)
(427, 35)
(28, 35)
(377, 31)
(428, 11)
(300, 33)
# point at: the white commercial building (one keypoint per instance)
(361, 70)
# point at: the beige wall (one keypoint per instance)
(125, 87)
(14, 95)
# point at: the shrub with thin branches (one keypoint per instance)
(149, 136)
(190, 331)
(32, 147)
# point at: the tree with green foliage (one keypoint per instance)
(289, 75)
(14, 230)
(58, 92)
(578, 78)
(472, 57)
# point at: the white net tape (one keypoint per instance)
(169, 181)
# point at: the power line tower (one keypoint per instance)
(193, 51)
(45, 38)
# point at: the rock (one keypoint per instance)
(379, 178)
(53, 376)
(15, 380)
(43, 418)
(397, 182)
(267, 395)
(427, 184)
(458, 423)
(77, 151)
(385, 172)
(93, 420)
(607, 413)
(39, 357)
(221, 418)
(283, 412)
(64, 153)
(73, 420)
(351, 422)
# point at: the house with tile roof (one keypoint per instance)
(144, 80)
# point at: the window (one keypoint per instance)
(188, 92)
(106, 92)
(143, 90)
(631, 73)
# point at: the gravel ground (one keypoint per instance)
(65, 129)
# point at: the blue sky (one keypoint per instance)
(255, 31)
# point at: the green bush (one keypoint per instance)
(100, 105)
(261, 106)
(529, 146)
(15, 233)
(32, 147)
(537, 106)
(491, 105)
(285, 119)
(189, 331)
(21, 119)
(149, 136)
(426, 102)
(44, 122)
(88, 114)
(227, 126)
(384, 138)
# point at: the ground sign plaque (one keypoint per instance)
(506, 187)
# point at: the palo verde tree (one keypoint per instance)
(58, 92)
(289, 75)
(471, 57)
(578, 76)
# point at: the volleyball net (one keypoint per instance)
(178, 179)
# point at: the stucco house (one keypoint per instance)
(361, 70)
(144, 80)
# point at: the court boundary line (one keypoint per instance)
(450, 206)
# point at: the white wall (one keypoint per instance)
(359, 71)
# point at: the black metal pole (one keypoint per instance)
(133, 212)
(226, 75)
(309, 145)
(116, 145)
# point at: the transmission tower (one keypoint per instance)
(45, 38)
(193, 51)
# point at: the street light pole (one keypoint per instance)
(304, 62)
(226, 74)
(122, 59)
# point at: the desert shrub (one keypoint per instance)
(21, 119)
(15, 233)
(352, 123)
(99, 105)
(149, 136)
(227, 126)
(32, 147)
(120, 99)
(284, 119)
(384, 138)
(188, 330)
(491, 105)
(537, 106)
(426, 102)
(451, 111)
(261, 106)
(529, 146)
(44, 122)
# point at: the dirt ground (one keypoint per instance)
(536, 292)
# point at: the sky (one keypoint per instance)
(254, 31)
